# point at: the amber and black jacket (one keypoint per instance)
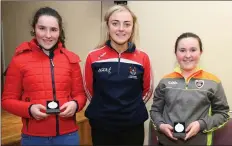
(200, 97)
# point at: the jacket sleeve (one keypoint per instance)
(147, 80)
(158, 106)
(13, 89)
(88, 78)
(218, 116)
(78, 92)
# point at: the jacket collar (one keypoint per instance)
(197, 70)
(178, 69)
(131, 46)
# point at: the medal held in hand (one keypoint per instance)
(53, 107)
(179, 130)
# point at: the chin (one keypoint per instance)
(47, 47)
(188, 68)
(120, 42)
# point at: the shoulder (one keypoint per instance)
(170, 78)
(209, 76)
(22, 48)
(72, 57)
(172, 75)
(97, 51)
(141, 53)
(22, 53)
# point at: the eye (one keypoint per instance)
(54, 29)
(182, 50)
(193, 49)
(127, 24)
(114, 23)
(41, 28)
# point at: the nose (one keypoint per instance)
(121, 27)
(188, 54)
(48, 34)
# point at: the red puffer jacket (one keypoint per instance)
(29, 81)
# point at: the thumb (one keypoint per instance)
(187, 136)
(41, 107)
(169, 127)
(189, 127)
(64, 106)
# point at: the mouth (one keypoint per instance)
(47, 41)
(121, 35)
(187, 61)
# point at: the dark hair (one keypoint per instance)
(187, 35)
(50, 12)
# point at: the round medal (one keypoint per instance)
(179, 127)
(52, 105)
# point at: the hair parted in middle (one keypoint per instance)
(105, 30)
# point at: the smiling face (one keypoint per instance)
(188, 53)
(120, 26)
(47, 31)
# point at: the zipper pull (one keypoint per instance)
(52, 62)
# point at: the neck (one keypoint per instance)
(187, 73)
(119, 47)
(47, 52)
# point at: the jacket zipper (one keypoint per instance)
(119, 58)
(54, 88)
(188, 79)
(186, 83)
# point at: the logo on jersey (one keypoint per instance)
(199, 83)
(108, 70)
(172, 82)
(132, 71)
(103, 54)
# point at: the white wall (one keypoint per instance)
(161, 22)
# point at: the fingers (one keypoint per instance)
(41, 107)
(70, 108)
(64, 106)
(167, 130)
(170, 134)
(64, 113)
(189, 127)
(169, 127)
(189, 131)
(36, 113)
(192, 129)
(189, 134)
(40, 116)
(67, 113)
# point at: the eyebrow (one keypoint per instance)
(39, 25)
(119, 21)
(190, 48)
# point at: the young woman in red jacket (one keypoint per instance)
(44, 84)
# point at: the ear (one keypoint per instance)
(33, 32)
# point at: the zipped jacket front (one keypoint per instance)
(199, 98)
(35, 78)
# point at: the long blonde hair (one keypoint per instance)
(105, 30)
